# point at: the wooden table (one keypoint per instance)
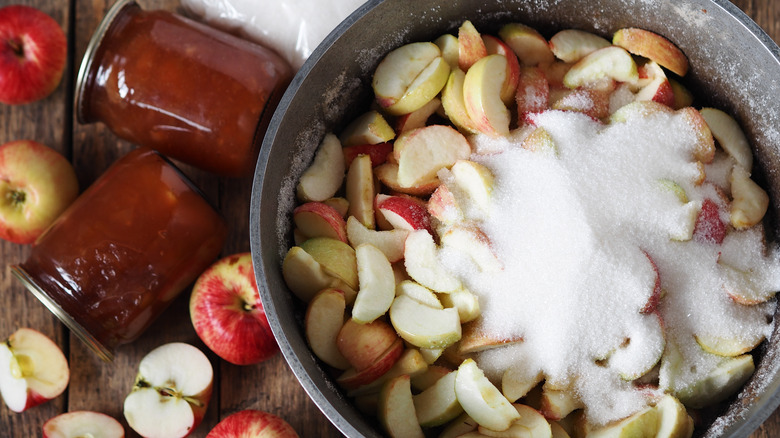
(95, 385)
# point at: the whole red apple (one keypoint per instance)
(33, 51)
(36, 185)
(252, 424)
(227, 314)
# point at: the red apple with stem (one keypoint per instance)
(33, 52)
(227, 314)
(252, 424)
(36, 185)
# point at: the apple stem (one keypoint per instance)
(16, 197)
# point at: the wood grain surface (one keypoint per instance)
(95, 385)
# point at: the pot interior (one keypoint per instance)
(734, 66)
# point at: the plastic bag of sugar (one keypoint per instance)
(293, 28)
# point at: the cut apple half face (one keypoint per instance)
(422, 325)
(481, 400)
(33, 369)
(482, 91)
(409, 77)
(87, 424)
(325, 175)
(609, 62)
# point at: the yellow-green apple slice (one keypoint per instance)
(728, 345)
(418, 292)
(419, 117)
(336, 258)
(171, 392)
(558, 431)
(410, 363)
(322, 323)
(495, 46)
(369, 128)
(482, 88)
(443, 206)
(340, 204)
(745, 286)
(729, 135)
(475, 182)
(424, 326)
(325, 175)
(404, 212)
(610, 62)
(305, 276)
(673, 418)
(396, 409)
(421, 153)
(641, 424)
(518, 380)
(438, 404)
(571, 45)
(390, 242)
(431, 375)
(531, 424)
(473, 243)
(749, 201)
(643, 349)
(360, 190)
(409, 77)
(316, 219)
(377, 284)
(475, 338)
(77, 424)
(454, 105)
(387, 174)
(481, 400)
(464, 301)
(422, 263)
(556, 404)
(540, 140)
(527, 43)
(460, 427)
(378, 153)
(652, 46)
(471, 48)
(450, 49)
(721, 383)
(363, 344)
(533, 92)
(32, 369)
(353, 379)
(431, 355)
(704, 150)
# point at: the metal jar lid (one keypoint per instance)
(89, 54)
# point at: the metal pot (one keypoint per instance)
(735, 66)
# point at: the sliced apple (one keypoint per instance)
(340, 204)
(422, 264)
(682, 95)
(540, 140)
(531, 424)
(533, 92)
(658, 88)
(475, 182)
(409, 77)
(438, 404)
(464, 301)
(642, 350)
(518, 380)
(88, 424)
(495, 46)
(429, 377)
(556, 404)
(336, 258)
(652, 46)
(558, 431)
(471, 48)
(404, 213)
(353, 379)
(387, 174)
(422, 325)
(482, 89)
(475, 338)
(729, 135)
(396, 409)
(360, 190)
(472, 242)
(421, 153)
(419, 117)
(431, 355)
(363, 344)
(709, 226)
(443, 206)
(322, 324)
(704, 150)
(377, 284)
(454, 105)
(481, 400)
(325, 175)
(305, 276)
(673, 419)
(571, 45)
(410, 363)
(368, 128)
(642, 424)
(460, 427)
(316, 219)
(728, 345)
(721, 383)
(378, 153)
(594, 102)
(527, 43)
(749, 201)
(745, 286)
(450, 49)
(610, 62)
(418, 292)
(390, 242)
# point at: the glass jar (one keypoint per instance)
(188, 90)
(128, 245)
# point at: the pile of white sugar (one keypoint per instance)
(584, 235)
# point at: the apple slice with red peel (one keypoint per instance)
(450, 49)
(593, 102)
(377, 284)
(527, 43)
(322, 324)
(417, 118)
(464, 301)
(316, 219)
(652, 46)
(421, 153)
(409, 77)
(533, 93)
(673, 418)
(422, 264)
(473, 243)
(251, 423)
(363, 344)
(471, 47)
(438, 404)
(424, 326)
(336, 258)
(410, 363)
(531, 424)
(454, 104)
(658, 88)
(378, 153)
(404, 213)
(749, 201)
(390, 242)
(495, 46)
(571, 45)
(482, 401)
(387, 174)
(719, 384)
(353, 379)
(360, 190)
(641, 424)
(704, 150)
(729, 135)
(418, 292)
(171, 392)
(482, 95)
(709, 226)
(369, 128)
(77, 424)
(33, 370)
(396, 409)
(443, 206)
(610, 62)
(322, 179)
(305, 276)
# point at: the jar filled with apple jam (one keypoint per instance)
(188, 90)
(119, 255)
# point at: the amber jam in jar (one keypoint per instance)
(115, 259)
(192, 92)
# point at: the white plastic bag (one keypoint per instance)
(293, 28)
